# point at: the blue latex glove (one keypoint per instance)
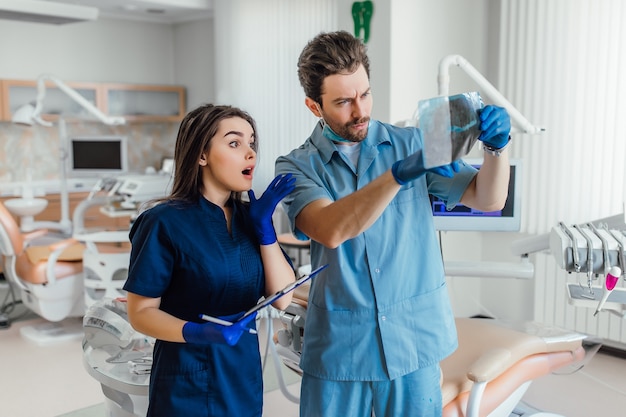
(495, 125)
(261, 210)
(209, 332)
(412, 167)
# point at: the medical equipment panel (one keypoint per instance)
(139, 188)
(126, 193)
(97, 156)
(467, 219)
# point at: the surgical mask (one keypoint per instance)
(330, 134)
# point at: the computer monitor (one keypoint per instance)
(466, 219)
(99, 156)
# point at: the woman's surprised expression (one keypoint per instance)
(230, 160)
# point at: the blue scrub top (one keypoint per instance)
(381, 309)
(184, 254)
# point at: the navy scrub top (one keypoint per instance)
(183, 253)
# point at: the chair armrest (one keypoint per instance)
(62, 244)
(490, 365)
(30, 236)
(115, 236)
(56, 249)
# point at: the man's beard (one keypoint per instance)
(345, 132)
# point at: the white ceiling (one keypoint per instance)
(161, 11)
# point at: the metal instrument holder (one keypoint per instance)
(566, 242)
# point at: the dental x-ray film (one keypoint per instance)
(450, 127)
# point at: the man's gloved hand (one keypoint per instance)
(412, 167)
(495, 125)
(209, 332)
(261, 210)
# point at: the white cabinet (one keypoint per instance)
(144, 102)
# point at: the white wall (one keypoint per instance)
(194, 57)
(110, 50)
(258, 44)
(104, 50)
(422, 33)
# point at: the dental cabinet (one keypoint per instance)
(144, 102)
(135, 102)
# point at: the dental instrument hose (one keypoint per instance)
(609, 283)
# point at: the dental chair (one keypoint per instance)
(118, 357)
(489, 372)
(49, 277)
(106, 255)
(114, 354)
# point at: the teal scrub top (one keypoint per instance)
(381, 309)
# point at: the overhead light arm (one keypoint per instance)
(519, 123)
(27, 113)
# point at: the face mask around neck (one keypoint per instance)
(330, 134)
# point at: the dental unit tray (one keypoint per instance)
(580, 296)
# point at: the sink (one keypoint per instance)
(26, 206)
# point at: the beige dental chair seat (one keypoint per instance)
(49, 278)
(496, 361)
(489, 372)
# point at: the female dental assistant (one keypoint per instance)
(201, 250)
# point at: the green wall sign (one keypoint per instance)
(362, 15)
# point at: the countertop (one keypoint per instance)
(44, 187)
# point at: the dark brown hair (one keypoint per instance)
(328, 54)
(194, 137)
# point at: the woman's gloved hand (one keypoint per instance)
(412, 167)
(209, 332)
(495, 125)
(261, 210)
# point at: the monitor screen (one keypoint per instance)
(97, 155)
(467, 219)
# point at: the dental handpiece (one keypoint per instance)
(609, 283)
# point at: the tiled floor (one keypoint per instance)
(50, 381)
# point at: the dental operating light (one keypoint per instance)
(29, 114)
(519, 123)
